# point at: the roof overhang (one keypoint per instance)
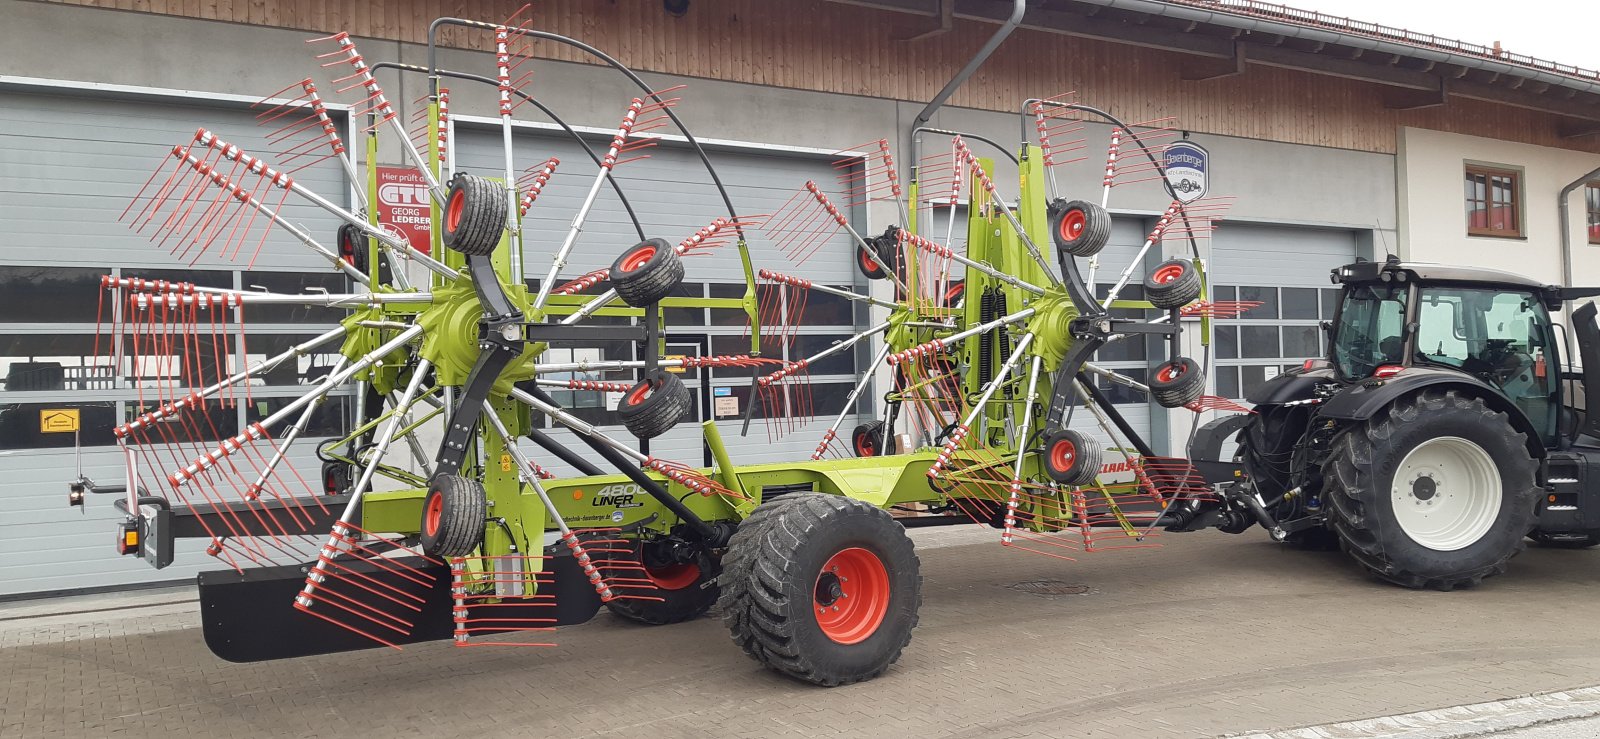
(1418, 70)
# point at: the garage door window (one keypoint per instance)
(56, 351)
(1591, 199)
(1280, 334)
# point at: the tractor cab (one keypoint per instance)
(1493, 327)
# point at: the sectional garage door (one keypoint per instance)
(68, 166)
(1286, 269)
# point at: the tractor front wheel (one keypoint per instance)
(822, 588)
(1436, 491)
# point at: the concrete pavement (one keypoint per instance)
(1208, 635)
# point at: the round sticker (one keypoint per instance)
(616, 516)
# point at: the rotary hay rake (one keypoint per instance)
(988, 347)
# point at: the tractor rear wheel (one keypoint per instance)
(1436, 491)
(822, 588)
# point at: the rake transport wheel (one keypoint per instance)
(822, 588)
(1177, 383)
(647, 272)
(686, 591)
(1079, 228)
(867, 440)
(452, 516)
(654, 405)
(1172, 284)
(1071, 458)
(1435, 491)
(474, 215)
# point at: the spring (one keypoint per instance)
(1004, 333)
(986, 341)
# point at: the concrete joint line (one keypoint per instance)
(1457, 722)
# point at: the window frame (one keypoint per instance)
(1490, 172)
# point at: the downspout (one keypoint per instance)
(1563, 207)
(1017, 9)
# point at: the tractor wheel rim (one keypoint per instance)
(1446, 493)
(435, 514)
(851, 595)
(638, 258)
(673, 577)
(1167, 274)
(1170, 372)
(1063, 454)
(458, 205)
(1073, 223)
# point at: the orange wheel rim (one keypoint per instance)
(458, 205)
(851, 596)
(1170, 372)
(639, 393)
(638, 258)
(1167, 274)
(1073, 223)
(865, 447)
(1063, 454)
(435, 513)
(866, 260)
(673, 577)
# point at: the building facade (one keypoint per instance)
(1337, 142)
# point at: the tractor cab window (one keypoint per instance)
(1499, 336)
(1369, 331)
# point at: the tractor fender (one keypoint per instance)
(1289, 386)
(1365, 399)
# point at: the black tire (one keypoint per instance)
(884, 246)
(685, 591)
(1177, 383)
(474, 215)
(654, 405)
(352, 246)
(1564, 541)
(775, 582)
(1172, 284)
(1079, 227)
(1360, 501)
(453, 515)
(867, 440)
(647, 272)
(1071, 458)
(336, 478)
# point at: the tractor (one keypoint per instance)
(1440, 432)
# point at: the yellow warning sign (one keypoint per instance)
(58, 420)
(505, 463)
(671, 357)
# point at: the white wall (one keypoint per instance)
(1433, 223)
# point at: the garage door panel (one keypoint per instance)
(671, 193)
(81, 161)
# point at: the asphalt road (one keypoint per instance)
(1208, 635)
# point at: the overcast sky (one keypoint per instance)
(1565, 31)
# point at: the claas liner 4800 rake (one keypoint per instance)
(389, 543)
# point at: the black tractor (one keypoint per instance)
(1441, 431)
